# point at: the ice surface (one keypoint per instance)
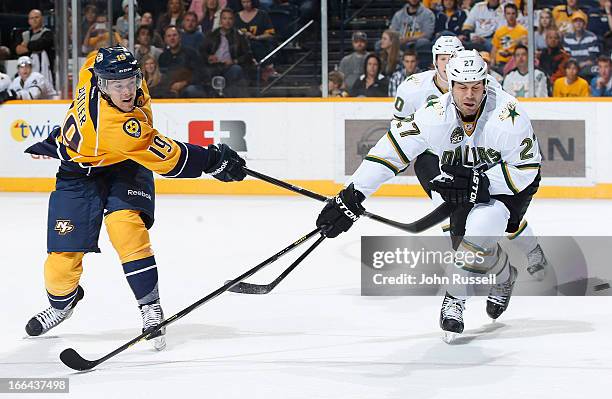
(314, 336)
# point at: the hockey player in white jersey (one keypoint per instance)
(28, 85)
(490, 161)
(414, 92)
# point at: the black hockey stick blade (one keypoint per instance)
(433, 218)
(72, 359)
(261, 289)
(75, 361)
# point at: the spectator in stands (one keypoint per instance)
(147, 20)
(415, 25)
(450, 20)
(211, 16)
(256, 25)
(98, 36)
(553, 57)
(563, 16)
(600, 19)
(226, 52)
(90, 12)
(517, 81)
(175, 10)
(433, 5)
(199, 7)
(38, 43)
(581, 45)
(486, 56)
(143, 47)
(507, 37)
(351, 65)
(409, 67)
(180, 66)
(158, 87)
(390, 52)
(122, 25)
(571, 85)
(372, 83)
(482, 22)
(601, 84)
(546, 22)
(190, 35)
(335, 85)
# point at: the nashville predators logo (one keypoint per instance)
(63, 227)
(132, 127)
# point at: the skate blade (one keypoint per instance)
(449, 337)
(159, 343)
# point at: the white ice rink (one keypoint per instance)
(314, 336)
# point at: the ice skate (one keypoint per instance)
(537, 263)
(52, 317)
(500, 294)
(451, 317)
(152, 315)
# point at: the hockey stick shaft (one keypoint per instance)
(436, 216)
(73, 360)
(248, 288)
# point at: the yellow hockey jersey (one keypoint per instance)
(96, 134)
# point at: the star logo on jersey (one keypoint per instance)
(63, 227)
(431, 103)
(132, 127)
(456, 136)
(509, 111)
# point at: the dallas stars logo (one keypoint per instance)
(509, 111)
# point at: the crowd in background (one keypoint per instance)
(572, 46)
(185, 46)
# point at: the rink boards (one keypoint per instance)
(315, 143)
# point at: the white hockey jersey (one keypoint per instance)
(36, 87)
(5, 81)
(417, 89)
(502, 138)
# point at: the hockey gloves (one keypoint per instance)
(341, 212)
(7, 95)
(226, 163)
(462, 185)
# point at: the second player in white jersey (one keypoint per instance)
(34, 87)
(490, 159)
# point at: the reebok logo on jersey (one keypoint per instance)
(208, 132)
(139, 193)
(132, 127)
(219, 169)
(63, 227)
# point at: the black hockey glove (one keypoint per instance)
(7, 95)
(464, 186)
(341, 212)
(226, 163)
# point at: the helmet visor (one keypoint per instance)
(110, 86)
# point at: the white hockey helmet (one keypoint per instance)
(24, 60)
(466, 66)
(446, 45)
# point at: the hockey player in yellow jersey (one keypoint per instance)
(108, 149)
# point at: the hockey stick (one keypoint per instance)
(72, 359)
(248, 288)
(436, 216)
